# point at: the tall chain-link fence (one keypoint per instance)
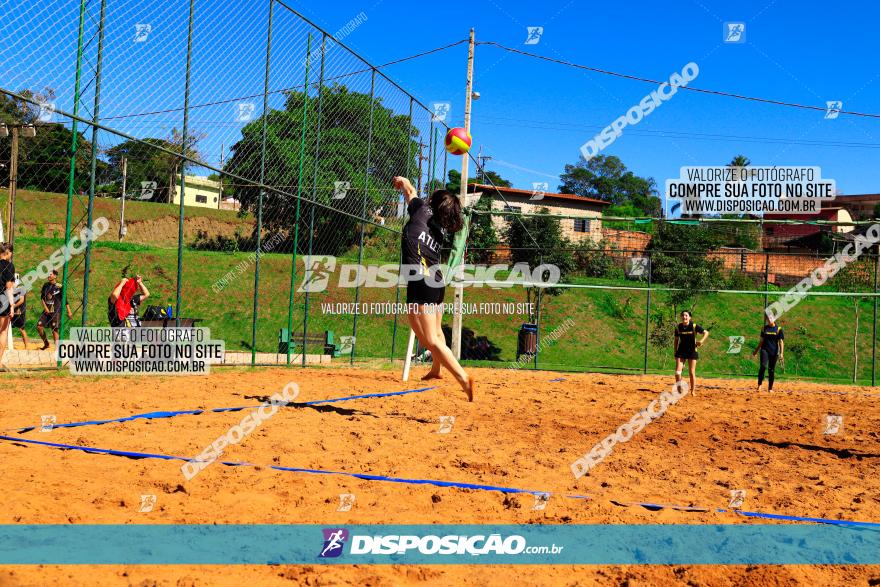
(231, 147)
(624, 283)
(224, 144)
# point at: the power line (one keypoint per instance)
(284, 90)
(572, 127)
(688, 88)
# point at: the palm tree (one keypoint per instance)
(740, 161)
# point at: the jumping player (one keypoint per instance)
(772, 349)
(422, 238)
(686, 345)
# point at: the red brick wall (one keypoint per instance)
(625, 240)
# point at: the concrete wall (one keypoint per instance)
(592, 212)
(199, 188)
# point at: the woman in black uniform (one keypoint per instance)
(7, 289)
(772, 349)
(686, 345)
(422, 238)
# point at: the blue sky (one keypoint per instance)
(533, 116)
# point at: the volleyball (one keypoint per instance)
(458, 141)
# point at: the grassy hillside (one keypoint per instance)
(42, 214)
(609, 330)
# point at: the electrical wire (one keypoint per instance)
(688, 88)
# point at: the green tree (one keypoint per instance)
(44, 159)
(538, 240)
(482, 238)
(148, 160)
(679, 259)
(454, 180)
(605, 177)
(345, 133)
(740, 161)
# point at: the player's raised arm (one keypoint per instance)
(405, 186)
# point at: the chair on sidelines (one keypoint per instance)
(326, 341)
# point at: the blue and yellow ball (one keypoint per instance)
(458, 141)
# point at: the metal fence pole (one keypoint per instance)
(357, 290)
(94, 162)
(183, 139)
(766, 279)
(539, 291)
(874, 329)
(259, 240)
(400, 254)
(428, 173)
(73, 146)
(434, 163)
(648, 314)
(302, 153)
(314, 186)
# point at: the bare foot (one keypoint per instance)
(471, 387)
(431, 375)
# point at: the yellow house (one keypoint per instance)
(200, 191)
(585, 214)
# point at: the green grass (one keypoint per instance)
(609, 331)
(42, 215)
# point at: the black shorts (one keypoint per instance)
(49, 320)
(419, 292)
(687, 355)
(18, 321)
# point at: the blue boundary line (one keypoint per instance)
(172, 414)
(435, 482)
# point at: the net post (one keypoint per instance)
(647, 315)
(874, 326)
(462, 196)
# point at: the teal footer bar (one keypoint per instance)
(665, 544)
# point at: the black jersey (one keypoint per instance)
(51, 296)
(7, 273)
(771, 335)
(687, 337)
(422, 238)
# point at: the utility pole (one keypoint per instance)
(17, 130)
(220, 196)
(122, 228)
(481, 166)
(422, 146)
(13, 184)
(462, 196)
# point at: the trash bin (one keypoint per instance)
(527, 340)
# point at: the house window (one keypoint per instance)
(201, 199)
(515, 209)
(581, 225)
